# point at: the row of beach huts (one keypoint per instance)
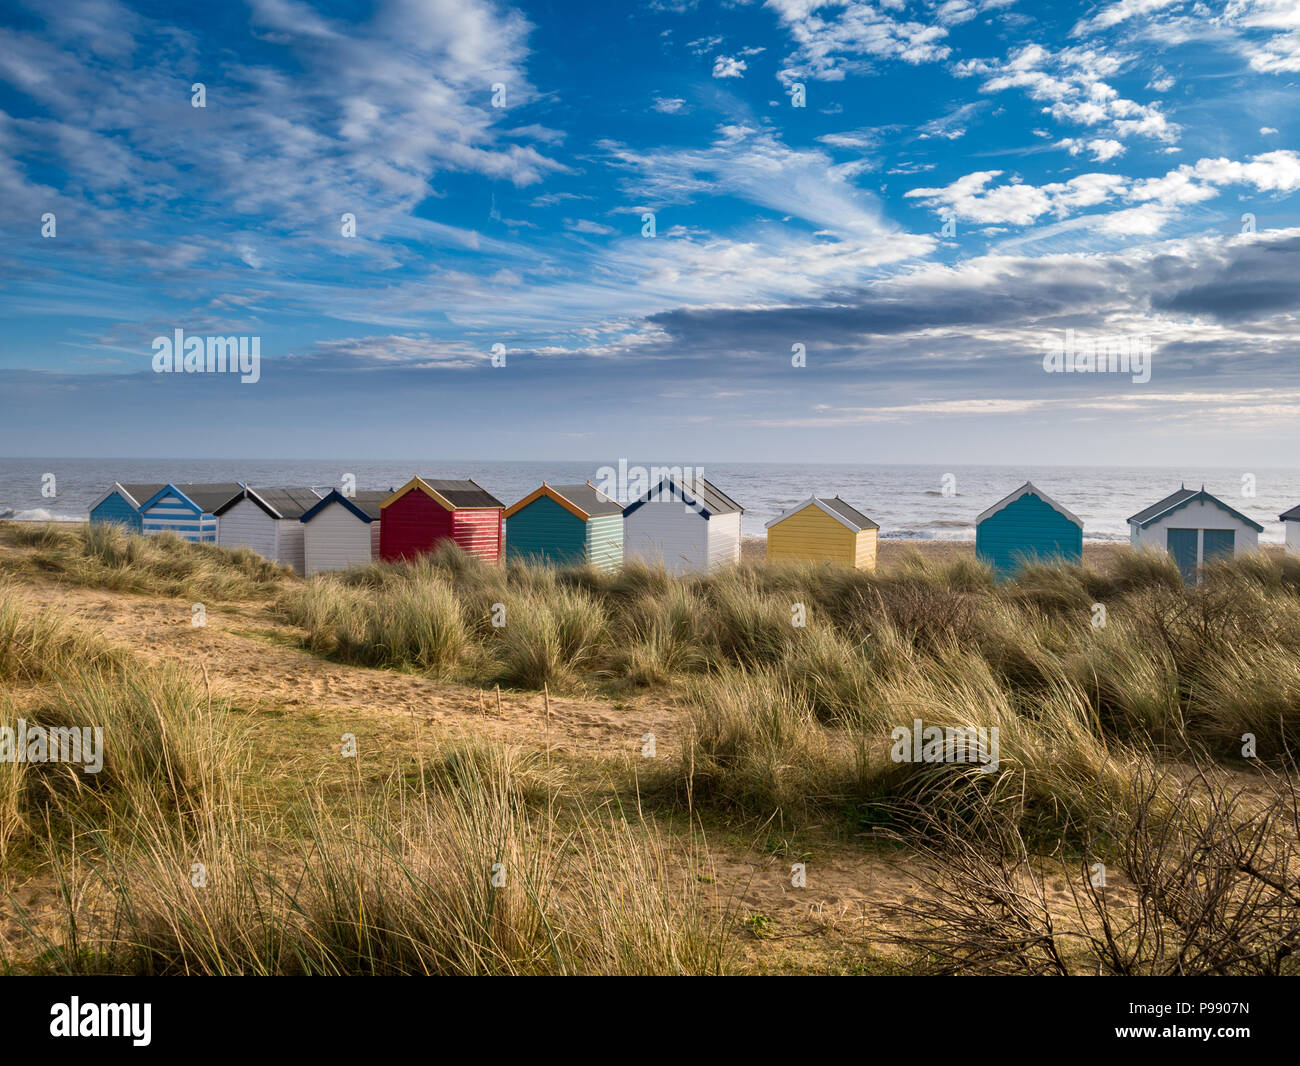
(684, 523)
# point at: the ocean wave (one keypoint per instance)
(36, 514)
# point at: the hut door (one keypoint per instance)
(1219, 542)
(1182, 546)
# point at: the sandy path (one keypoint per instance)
(248, 659)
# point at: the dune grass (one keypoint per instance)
(454, 869)
(171, 859)
(38, 645)
(794, 676)
(106, 556)
(791, 680)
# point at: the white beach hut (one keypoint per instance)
(1194, 527)
(686, 524)
(269, 521)
(342, 531)
(1291, 523)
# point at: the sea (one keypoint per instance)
(910, 502)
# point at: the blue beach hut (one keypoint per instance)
(121, 505)
(188, 510)
(1027, 527)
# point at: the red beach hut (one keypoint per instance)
(423, 513)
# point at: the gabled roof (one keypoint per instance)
(134, 494)
(277, 503)
(585, 501)
(690, 490)
(453, 495)
(1168, 503)
(1292, 515)
(836, 508)
(138, 492)
(1182, 498)
(365, 505)
(1030, 489)
(205, 498)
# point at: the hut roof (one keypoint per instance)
(365, 505)
(1292, 515)
(1182, 498)
(138, 493)
(836, 508)
(278, 503)
(1027, 489)
(690, 489)
(454, 495)
(586, 501)
(135, 494)
(206, 497)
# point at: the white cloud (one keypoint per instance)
(1100, 149)
(1146, 220)
(728, 67)
(1161, 82)
(1279, 54)
(1071, 84)
(1114, 14)
(833, 39)
(1271, 172)
(971, 198)
(583, 225)
(669, 105)
(395, 101)
(701, 45)
(952, 125)
(859, 139)
(755, 166)
(250, 256)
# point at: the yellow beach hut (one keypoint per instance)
(822, 529)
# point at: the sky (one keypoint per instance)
(689, 231)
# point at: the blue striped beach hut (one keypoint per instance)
(188, 510)
(121, 505)
(1027, 526)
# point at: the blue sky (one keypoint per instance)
(966, 181)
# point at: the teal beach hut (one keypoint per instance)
(566, 525)
(1027, 527)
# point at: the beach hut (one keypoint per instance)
(684, 523)
(1194, 527)
(341, 531)
(121, 505)
(187, 510)
(565, 525)
(269, 521)
(1291, 523)
(1027, 526)
(426, 512)
(826, 530)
